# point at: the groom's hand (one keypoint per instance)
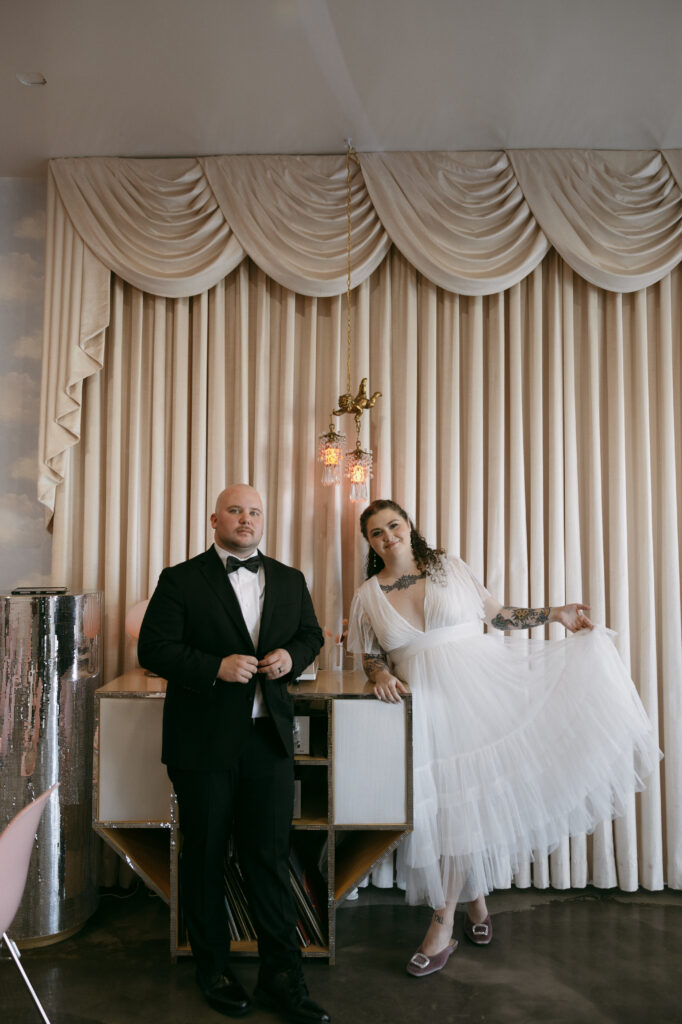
(237, 668)
(276, 664)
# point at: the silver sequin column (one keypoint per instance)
(51, 667)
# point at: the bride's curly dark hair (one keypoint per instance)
(428, 559)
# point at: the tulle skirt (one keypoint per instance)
(517, 744)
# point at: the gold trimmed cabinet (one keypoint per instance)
(355, 787)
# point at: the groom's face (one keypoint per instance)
(238, 520)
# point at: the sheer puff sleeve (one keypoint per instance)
(361, 636)
(489, 604)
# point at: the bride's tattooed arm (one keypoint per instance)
(372, 664)
(387, 687)
(520, 618)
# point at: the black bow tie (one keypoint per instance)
(252, 564)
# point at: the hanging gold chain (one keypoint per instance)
(358, 462)
(350, 154)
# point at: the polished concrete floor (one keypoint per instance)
(557, 958)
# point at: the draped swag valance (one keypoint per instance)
(472, 223)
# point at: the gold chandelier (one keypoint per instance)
(358, 462)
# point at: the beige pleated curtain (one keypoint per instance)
(520, 313)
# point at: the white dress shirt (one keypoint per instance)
(249, 588)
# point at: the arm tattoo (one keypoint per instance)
(371, 664)
(520, 618)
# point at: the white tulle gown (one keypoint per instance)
(517, 742)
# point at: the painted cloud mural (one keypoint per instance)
(24, 542)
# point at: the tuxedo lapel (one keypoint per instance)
(216, 577)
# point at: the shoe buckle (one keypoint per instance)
(479, 929)
(420, 960)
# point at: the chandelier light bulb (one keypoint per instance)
(359, 473)
(331, 456)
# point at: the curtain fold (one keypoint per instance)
(534, 432)
(75, 315)
(460, 219)
(289, 213)
(615, 218)
(155, 223)
(673, 158)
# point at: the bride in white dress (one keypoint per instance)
(516, 744)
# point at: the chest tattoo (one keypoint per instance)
(408, 580)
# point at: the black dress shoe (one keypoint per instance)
(286, 993)
(225, 994)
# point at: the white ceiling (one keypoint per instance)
(190, 77)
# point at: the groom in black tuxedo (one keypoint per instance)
(228, 630)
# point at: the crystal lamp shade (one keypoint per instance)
(331, 456)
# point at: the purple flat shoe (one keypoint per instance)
(420, 965)
(480, 934)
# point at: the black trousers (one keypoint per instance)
(254, 802)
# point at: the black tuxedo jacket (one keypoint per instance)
(193, 621)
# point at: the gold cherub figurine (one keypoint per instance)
(356, 404)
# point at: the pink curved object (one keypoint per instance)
(16, 847)
(133, 620)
